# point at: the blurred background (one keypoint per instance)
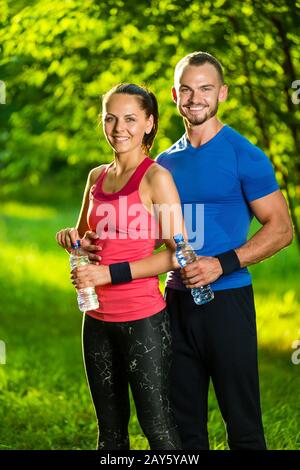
(56, 59)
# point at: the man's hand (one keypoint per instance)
(88, 245)
(203, 271)
(90, 275)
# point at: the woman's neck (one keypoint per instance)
(125, 162)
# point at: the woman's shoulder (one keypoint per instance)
(95, 173)
(157, 174)
(157, 171)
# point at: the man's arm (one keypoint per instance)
(276, 233)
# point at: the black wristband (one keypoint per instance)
(120, 272)
(229, 261)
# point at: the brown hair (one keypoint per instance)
(148, 103)
(199, 58)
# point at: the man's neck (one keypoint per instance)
(199, 135)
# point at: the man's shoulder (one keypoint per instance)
(178, 146)
(240, 143)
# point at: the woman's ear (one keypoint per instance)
(149, 125)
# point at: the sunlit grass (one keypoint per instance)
(22, 211)
(44, 399)
(34, 265)
(278, 319)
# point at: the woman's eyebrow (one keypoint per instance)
(126, 115)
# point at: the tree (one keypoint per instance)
(57, 58)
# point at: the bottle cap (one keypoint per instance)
(76, 245)
(178, 238)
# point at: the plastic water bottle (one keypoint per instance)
(87, 298)
(186, 255)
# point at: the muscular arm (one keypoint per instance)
(276, 233)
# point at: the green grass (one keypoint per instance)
(44, 399)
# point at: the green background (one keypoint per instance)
(56, 59)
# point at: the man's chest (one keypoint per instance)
(209, 178)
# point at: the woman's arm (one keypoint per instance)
(167, 209)
(168, 213)
(66, 237)
(82, 225)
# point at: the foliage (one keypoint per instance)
(57, 58)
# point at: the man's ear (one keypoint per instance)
(223, 93)
(174, 95)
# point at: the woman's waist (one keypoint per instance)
(123, 296)
(116, 251)
(136, 286)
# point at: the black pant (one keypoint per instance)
(136, 353)
(218, 341)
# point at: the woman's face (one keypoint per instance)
(125, 123)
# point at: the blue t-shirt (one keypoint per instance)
(216, 181)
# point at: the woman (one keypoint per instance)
(127, 339)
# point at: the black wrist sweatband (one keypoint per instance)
(229, 261)
(120, 272)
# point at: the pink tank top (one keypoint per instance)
(127, 232)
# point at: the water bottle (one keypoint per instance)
(87, 298)
(186, 255)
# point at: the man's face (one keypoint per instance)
(197, 92)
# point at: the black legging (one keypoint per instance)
(135, 353)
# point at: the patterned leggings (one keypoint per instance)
(136, 353)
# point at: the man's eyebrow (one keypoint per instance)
(206, 85)
(185, 86)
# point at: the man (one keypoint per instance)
(215, 166)
(217, 169)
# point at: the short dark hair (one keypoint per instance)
(199, 58)
(148, 103)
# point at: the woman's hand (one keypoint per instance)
(90, 276)
(67, 237)
(87, 244)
